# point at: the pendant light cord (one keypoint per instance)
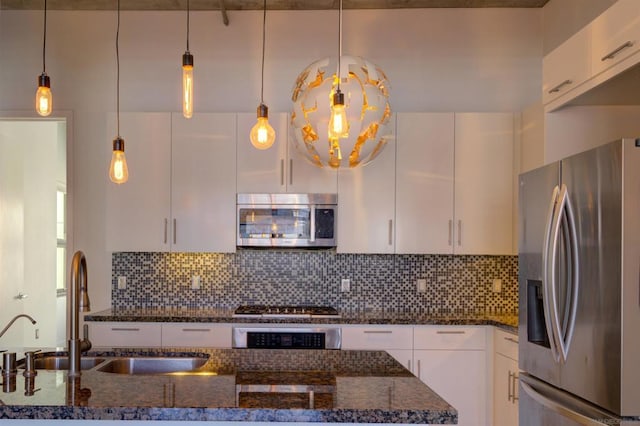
(188, 12)
(339, 43)
(118, 72)
(264, 33)
(44, 40)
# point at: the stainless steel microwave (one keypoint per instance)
(287, 220)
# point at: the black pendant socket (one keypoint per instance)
(338, 98)
(118, 144)
(263, 111)
(44, 80)
(187, 59)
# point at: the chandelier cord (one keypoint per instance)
(118, 72)
(188, 13)
(44, 40)
(339, 43)
(264, 34)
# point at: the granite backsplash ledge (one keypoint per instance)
(456, 284)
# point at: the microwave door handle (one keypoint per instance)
(573, 266)
(312, 225)
(548, 271)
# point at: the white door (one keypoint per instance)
(203, 192)
(424, 183)
(483, 183)
(138, 212)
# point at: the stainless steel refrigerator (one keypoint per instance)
(579, 289)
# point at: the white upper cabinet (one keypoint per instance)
(279, 168)
(567, 67)
(138, 210)
(180, 194)
(424, 182)
(616, 35)
(203, 194)
(483, 184)
(366, 205)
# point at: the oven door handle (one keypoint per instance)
(312, 225)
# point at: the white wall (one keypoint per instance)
(436, 59)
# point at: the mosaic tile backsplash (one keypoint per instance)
(380, 282)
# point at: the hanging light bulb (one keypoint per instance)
(118, 170)
(187, 77)
(44, 100)
(262, 135)
(338, 124)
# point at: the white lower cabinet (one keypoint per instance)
(125, 334)
(196, 335)
(451, 360)
(397, 340)
(505, 379)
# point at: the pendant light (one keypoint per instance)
(44, 99)
(338, 123)
(262, 134)
(118, 171)
(187, 76)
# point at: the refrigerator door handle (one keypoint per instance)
(559, 408)
(574, 268)
(548, 272)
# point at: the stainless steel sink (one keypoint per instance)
(62, 362)
(153, 365)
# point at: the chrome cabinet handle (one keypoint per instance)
(390, 231)
(509, 394)
(450, 231)
(282, 172)
(204, 330)
(511, 339)
(515, 388)
(175, 231)
(409, 364)
(166, 225)
(377, 332)
(617, 50)
(20, 296)
(124, 329)
(560, 86)
(419, 374)
(459, 232)
(291, 171)
(450, 332)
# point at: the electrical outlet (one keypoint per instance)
(122, 283)
(345, 285)
(497, 285)
(421, 284)
(195, 282)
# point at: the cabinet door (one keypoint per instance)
(484, 184)
(196, 335)
(459, 378)
(566, 67)
(125, 334)
(505, 391)
(366, 205)
(203, 193)
(137, 216)
(377, 337)
(615, 35)
(261, 171)
(424, 183)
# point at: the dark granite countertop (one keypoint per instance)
(349, 387)
(508, 322)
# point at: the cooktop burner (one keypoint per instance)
(286, 311)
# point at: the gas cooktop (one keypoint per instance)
(286, 311)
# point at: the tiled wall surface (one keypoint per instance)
(455, 284)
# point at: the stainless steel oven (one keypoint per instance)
(273, 337)
(286, 220)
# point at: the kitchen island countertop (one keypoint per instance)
(508, 322)
(349, 387)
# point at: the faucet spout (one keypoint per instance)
(78, 301)
(4, 330)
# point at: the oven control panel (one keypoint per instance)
(284, 340)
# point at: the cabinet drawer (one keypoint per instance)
(449, 338)
(506, 344)
(616, 35)
(125, 334)
(377, 337)
(196, 335)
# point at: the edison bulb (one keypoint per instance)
(338, 123)
(262, 134)
(44, 99)
(118, 170)
(187, 85)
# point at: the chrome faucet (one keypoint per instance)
(4, 330)
(78, 301)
